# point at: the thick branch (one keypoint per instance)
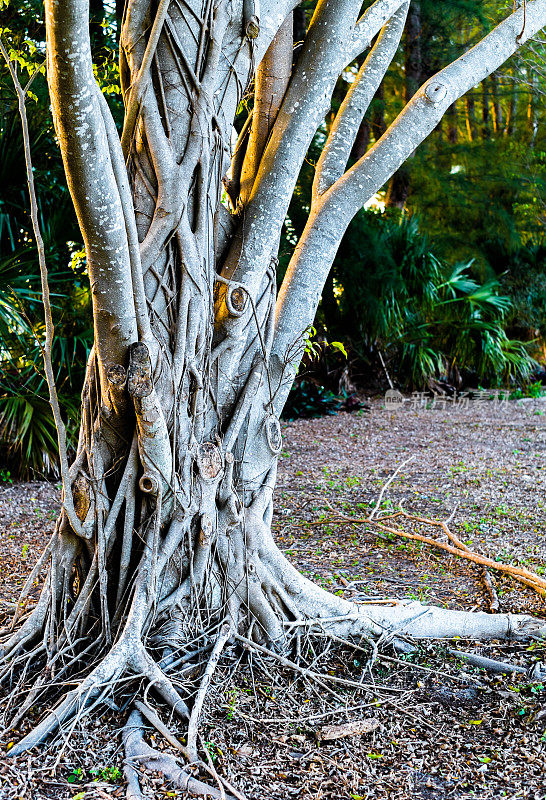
(271, 81)
(339, 144)
(304, 106)
(84, 147)
(369, 23)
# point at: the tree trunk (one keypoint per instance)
(532, 116)
(512, 112)
(486, 127)
(399, 186)
(471, 126)
(165, 534)
(452, 124)
(497, 108)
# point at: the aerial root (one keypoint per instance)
(221, 641)
(122, 658)
(138, 753)
(30, 629)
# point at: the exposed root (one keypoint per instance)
(209, 576)
(488, 663)
(300, 609)
(74, 704)
(139, 753)
(154, 720)
(494, 604)
(32, 626)
(221, 641)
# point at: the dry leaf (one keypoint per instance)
(356, 728)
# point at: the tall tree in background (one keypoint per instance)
(397, 193)
(165, 530)
(486, 158)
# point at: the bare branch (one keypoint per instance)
(304, 106)
(336, 152)
(369, 23)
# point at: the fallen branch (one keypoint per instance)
(490, 664)
(489, 584)
(457, 548)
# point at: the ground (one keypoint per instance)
(436, 729)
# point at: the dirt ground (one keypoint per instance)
(431, 727)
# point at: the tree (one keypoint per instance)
(165, 526)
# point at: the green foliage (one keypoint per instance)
(96, 774)
(28, 439)
(76, 775)
(480, 201)
(471, 194)
(106, 774)
(522, 275)
(27, 432)
(308, 399)
(433, 320)
(534, 389)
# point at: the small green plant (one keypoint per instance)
(76, 775)
(535, 389)
(107, 774)
(213, 750)
(232, 702)
(314, 347)
(307, 399)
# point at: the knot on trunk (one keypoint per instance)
(435, 92)
(236, 300)
(273, 434)
(139, 374)
(117, 376)
(210, 461)
(81, 495)
(253, 27)
(149, 484)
